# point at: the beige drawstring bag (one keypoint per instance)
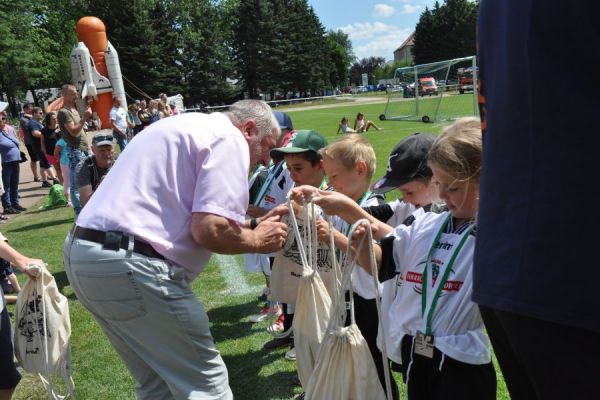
(313, 303)
(344, 369)
(42, 334)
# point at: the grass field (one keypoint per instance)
(227, 291)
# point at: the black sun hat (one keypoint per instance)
(406, 162)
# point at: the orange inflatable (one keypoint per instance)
(92, 32)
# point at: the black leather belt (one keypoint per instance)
(115, 240)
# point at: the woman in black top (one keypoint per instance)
(50, 135)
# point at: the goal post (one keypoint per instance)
(431, 92)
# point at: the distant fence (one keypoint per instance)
(272, 103)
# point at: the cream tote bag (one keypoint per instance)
(313, 303)
(287, 266)
(43, 331)
(344, 369)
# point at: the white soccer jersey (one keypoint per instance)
(457, 326)
(362, 281)
(273, 193)
(402, 211)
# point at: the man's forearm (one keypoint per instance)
(223, 236)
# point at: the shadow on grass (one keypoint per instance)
(44, 209)
(41, 225)
(253, 371)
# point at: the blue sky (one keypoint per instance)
(376, 27)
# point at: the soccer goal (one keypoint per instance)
(437, 91)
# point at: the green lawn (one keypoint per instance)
(254, 373)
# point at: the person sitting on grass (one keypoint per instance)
(343, 126)
(361, 126)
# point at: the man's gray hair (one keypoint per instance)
(260, 112)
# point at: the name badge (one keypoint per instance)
(424, 345)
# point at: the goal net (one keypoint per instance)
(437, 91)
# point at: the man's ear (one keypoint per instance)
(248, 128)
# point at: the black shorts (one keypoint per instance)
(9, 376)
(33, 153)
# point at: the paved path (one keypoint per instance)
(31, 193)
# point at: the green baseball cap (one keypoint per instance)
(304, 140)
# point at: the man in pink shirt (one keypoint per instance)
(177, 193)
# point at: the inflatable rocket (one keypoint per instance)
(95, 68)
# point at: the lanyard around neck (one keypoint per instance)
(444, 278)
(274, 172)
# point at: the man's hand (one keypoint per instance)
(279, 211)
(271, 235)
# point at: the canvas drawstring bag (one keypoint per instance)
(344, 369)
(43, 331)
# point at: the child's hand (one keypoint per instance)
(356, 242)
(303, 193)
(323, 230)
(332, 202)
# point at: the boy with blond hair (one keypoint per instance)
(349, 163)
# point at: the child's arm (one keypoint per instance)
(335, 203)
(57, 151)
(364, 259)
(339, 239)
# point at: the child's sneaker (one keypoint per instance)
(264, 313)
(290, 355)
(278, 325)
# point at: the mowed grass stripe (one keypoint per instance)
(232, 272)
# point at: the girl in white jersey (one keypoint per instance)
(434, 330)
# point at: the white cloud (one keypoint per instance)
(375, 38)
(383, 11)
(409, 9)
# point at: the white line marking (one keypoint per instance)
(233, 273)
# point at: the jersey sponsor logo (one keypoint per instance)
(269, 199)
(417, 279)
(444, 245)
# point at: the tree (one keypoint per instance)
(34, 42)
(204, 58)
(445, 32)
(274, 56)
(340, 57)
(365, 65)
(144, 35)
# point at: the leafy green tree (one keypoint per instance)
(447, 31)
(365, 65)
(34, 42)
(340, 57)
(204, 58)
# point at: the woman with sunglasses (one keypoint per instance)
(11, 156)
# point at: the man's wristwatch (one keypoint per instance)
(253, 223)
